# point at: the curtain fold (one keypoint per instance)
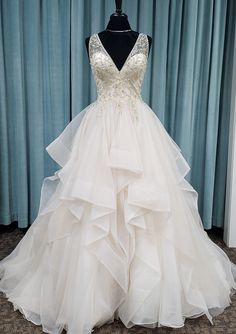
(46, 80)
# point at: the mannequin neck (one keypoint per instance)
(118, 22)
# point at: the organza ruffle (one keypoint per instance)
(118, 233)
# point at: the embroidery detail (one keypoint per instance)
(114, 84)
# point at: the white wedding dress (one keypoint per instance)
(118, 233)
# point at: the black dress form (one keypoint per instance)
(120, 41)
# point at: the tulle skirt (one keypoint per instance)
(118, 233)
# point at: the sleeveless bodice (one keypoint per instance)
(111, 82)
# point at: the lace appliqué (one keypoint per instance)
(119, 85)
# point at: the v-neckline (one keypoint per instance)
(126, 60)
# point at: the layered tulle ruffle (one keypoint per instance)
(118, 233)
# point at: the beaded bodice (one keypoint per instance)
(112, 82)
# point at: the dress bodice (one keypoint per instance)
(111, 82)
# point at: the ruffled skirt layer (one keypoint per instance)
(118, 233)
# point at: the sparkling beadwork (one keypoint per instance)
(119, 85)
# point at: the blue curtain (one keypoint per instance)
(46, 80)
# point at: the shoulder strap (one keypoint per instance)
(142, 45)
(94, 45)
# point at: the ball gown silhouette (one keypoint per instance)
(118, 234)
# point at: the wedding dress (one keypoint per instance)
(118, 233)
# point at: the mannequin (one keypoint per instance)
(118, 38)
